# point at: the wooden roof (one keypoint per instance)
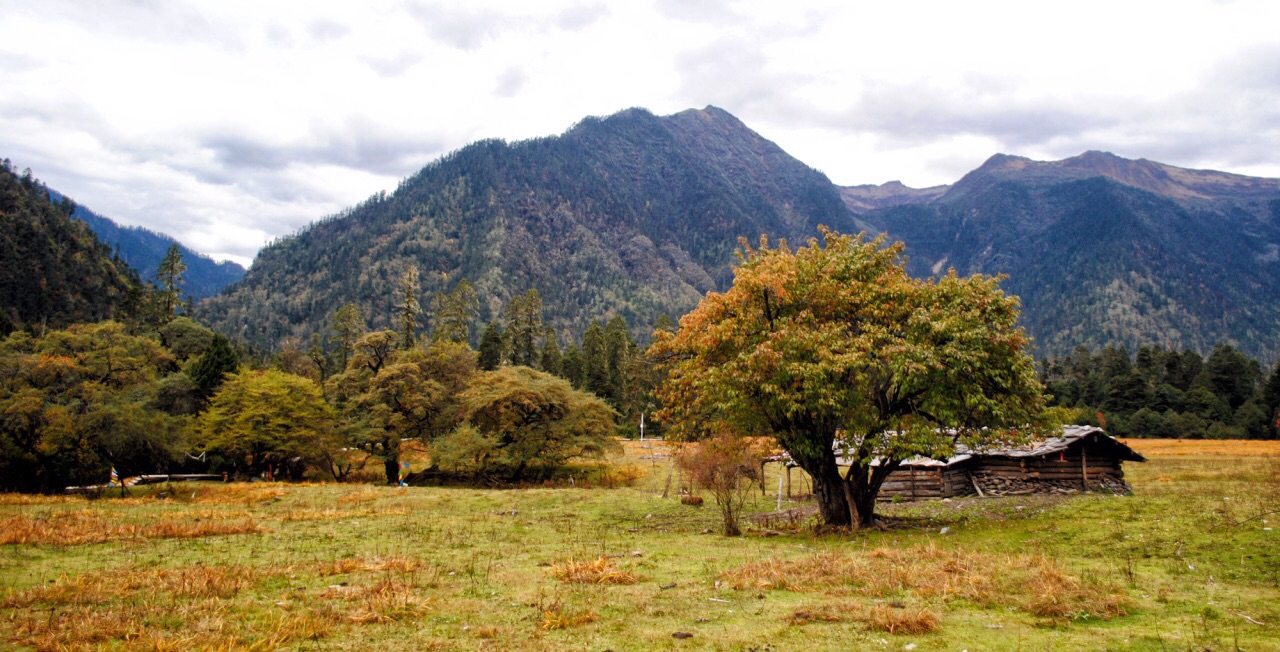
(1070, 437)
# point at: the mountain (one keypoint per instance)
(865, 198)
(53, 271)
(1105, 250)
(143, 250)
(630, 214)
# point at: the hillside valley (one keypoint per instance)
(639, 215)
(143, 249)
(1108, 251)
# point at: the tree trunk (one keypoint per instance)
(827, 487)
(392, 466)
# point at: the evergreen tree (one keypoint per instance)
(572, 366)
(618, 348)
(550, 358)
(454, 312)
(664, 324)
(409, 309)
(524, 324)
(346, 327)
(218, 361)
(1229, 375)
(170, 276)
(595, 360)
(1271, 401)
(491, 346)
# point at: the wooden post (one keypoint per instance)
(1084, 469)
(788, 481)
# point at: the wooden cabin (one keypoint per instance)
(1082, 458)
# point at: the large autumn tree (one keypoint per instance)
(390, 395)
(521, 422)
(261, 420)
(834, 350)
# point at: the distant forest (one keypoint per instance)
(1166, 393)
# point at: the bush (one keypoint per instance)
(727, 465)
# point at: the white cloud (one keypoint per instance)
(231, 123)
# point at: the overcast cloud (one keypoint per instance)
(228, 124)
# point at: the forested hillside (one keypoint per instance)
(53, 271)
(143, 250)
(632, 215)
(1107, 251)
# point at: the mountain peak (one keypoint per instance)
(1165, 180)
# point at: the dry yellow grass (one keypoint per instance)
(561, 618)
(331, 514)
(596, 571)
(86, 527)
(1222, 447)
(362, 565)
(196, 607)
(1031, 583)
(902, 621)
(238, 493)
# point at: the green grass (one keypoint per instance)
(1188, 559)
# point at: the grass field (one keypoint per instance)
(1190, 562)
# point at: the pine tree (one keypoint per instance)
(572, 366)
(346, 326)
(618, 346)
(595, 360)
(409, 309)
(524, 324)
(213, 367)
(550, 359)
(491, 347)
(454, 312)
(170, 276)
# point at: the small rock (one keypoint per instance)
(944, 530)
(682, 635)
(909, 646)
(636, 553)
(668, 586)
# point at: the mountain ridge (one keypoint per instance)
(143, 249)
(637, 215)
(629, 214)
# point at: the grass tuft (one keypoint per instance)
(597, 571)
(1031, 583)
(562, 618)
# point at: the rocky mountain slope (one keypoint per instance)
(53, 271)
(630, 214)
(143, 250)
(1106, 250)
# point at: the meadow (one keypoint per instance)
(1191, 561)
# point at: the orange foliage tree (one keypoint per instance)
(834, 349)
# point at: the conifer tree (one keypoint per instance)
(409, 309)
(524, 324)
(618, 347)
(595, 360)
(454, 312)
(169, 274)
(571, 366)
(346, 327)
(491, 347)
(550, 359)
(214, 366)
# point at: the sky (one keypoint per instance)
(227, 124)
